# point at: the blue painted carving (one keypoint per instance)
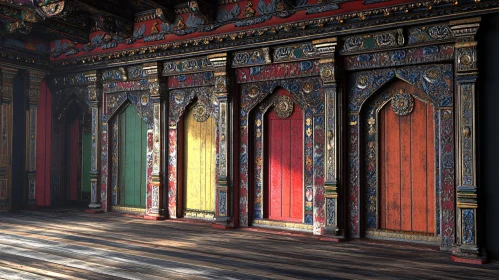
(468, 226)
(434, 80)
(330, 206)
(222, 203)
(321, 9)
(225, 15)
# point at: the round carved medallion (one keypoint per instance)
(201, 113)
(283, 107)
(253, 91)
(402, 103)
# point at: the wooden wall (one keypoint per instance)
(488, 57)
(43, 143)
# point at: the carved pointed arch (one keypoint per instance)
(64, 98)
(181, 99)
(435, 80)
(115, 102)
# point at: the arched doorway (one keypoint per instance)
(400, 163)
(129, 146)
(199, 163)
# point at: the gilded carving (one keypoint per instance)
(379, 40)
(402, 103)
(201, 114)
(283, 106)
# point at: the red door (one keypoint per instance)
(407, 172)
(285, 166)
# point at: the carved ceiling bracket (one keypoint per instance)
(112, 25)
(203, 9)
(53, 8)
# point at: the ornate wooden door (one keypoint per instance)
(406, 162)
(285, 165)
(407, 169)
(132, 162)
(199, 164)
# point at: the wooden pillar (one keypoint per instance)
(34, 79)
(332, 226)
(224, 203)
(467, 247)
(94, 96)
(155, 190)
(6, 92)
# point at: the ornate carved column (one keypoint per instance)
(333, 226)
(94, 100)
(155, 209)
(34, 79)
(223, 207)
(467, 247)
(6, 92)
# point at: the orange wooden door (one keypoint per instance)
(285, 166)
(407, 169)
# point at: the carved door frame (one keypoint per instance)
(436, 81)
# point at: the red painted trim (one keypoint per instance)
(74, 162)
(220, 226)
(43, 146)
(469, 261)
(93, 211)
(331, 239)
(154, 218)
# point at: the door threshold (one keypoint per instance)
(404, 236)
(273, 224)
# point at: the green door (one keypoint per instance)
(86, 158)
(132, 159)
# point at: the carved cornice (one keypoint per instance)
(314, 28)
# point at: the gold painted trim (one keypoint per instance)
(466, 44)
(325, 41)
(467, 205)
(288, 225)
(465, 21)
(128, 209)
(217, 55)
(402, 236)
(462, 195)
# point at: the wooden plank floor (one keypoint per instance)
(70, 244)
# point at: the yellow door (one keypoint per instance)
(199, 165)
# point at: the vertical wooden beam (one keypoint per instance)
(6, 94)
(467, 247)
(224, 201)
(155, 190)
(34, 79)
(332, 226)
(94, 96)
